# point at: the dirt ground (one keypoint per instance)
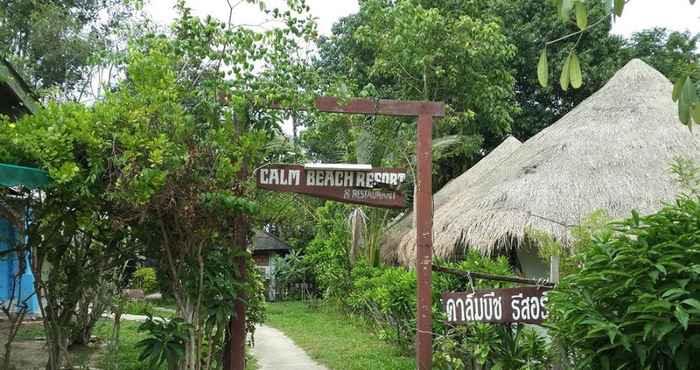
(29, 349)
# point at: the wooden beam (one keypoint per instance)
(404, 108)
(478, 275)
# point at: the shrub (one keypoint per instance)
(138, 308)
(327, 254)
(388, 296)
(505, 347)
(635, 302)
(145, 278)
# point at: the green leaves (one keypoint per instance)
(619, 7)
(543, 69)
(571, 73)
(685, 92)
(622, 317)
(565, 78)
(575, 72)
(581, 15)
(565, 9)
(682, 316)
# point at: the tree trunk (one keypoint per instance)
(193, 346)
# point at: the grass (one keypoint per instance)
(334, 339)
(146, 307)
(127, 355)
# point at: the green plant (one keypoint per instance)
(497, 347)
(328, 252)
(165, 343)
(138, 308)
(145, 278)
(635, 302)
(547, 246)
(687, 174)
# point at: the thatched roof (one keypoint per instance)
(612, 152)
(449, 192)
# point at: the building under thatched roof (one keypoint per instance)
(450, 191)
(613, 152)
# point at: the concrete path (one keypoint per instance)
(275, 351)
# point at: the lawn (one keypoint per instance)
(334, 339)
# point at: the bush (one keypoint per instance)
(138, 308)
(388, 296)
(145, 278)
(635, 302)
(327, 254)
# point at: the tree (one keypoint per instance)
(529, 25)
(55, 43)
(399, 50)
(671, 53)
(161, 161)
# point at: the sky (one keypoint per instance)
(677, 15)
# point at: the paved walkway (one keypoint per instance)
(275, 351)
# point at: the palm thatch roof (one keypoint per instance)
(612, 152)
(450, 192)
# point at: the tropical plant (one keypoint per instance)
(165, 343)
(491, 346)
(634, 303)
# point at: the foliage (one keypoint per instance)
(491, 346)
(582, 235)
(291, 269)
(161, 161)
(57, 43)
(398, 50)
(165, 342)
(387, 297)
(145, 278)
(686, 85)
(138, 307)
(634, 303)
(687, 175)
(328, 252)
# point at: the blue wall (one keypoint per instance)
(8, 268)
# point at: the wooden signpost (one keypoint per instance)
(380, 188)
(503, 306)
(377, 187)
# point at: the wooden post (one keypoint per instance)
(234, 347)
(424, 243)
(560, 356)
(554, 269)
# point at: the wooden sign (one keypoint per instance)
(509, 305)
(375, 187)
